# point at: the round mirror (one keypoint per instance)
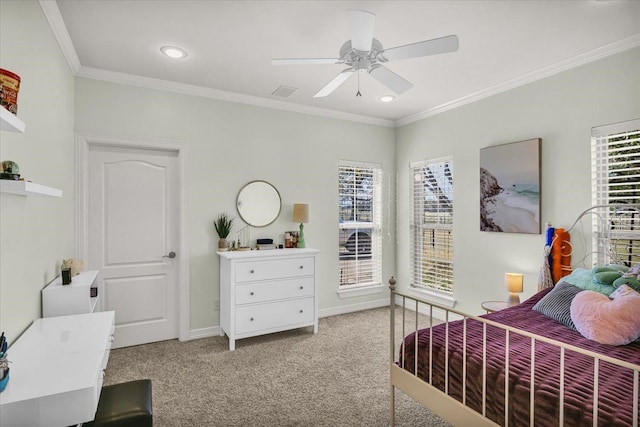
(258, 203)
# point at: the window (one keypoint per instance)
(615, 177)
(431, 228)
(359, 224)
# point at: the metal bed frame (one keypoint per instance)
(456, 412)
(616, 224)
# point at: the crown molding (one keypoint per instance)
(558, 67)
(187, 89)
(59, 29)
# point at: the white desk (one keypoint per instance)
(57, 371)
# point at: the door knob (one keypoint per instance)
(171, 255)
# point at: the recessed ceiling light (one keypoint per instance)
(387, 98)
(173, 52)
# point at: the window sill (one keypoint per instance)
(357, 291)
(442, 299)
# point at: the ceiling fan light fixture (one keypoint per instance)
(365, 54)
(173, 52)
(387, 98)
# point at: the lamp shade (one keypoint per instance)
(514, 282)
(300, 213)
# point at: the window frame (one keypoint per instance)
(607, 155)
(375, 284)
(418, 225)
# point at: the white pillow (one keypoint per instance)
(622, 291)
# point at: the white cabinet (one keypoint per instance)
(57, 371)
(74, 298)
(267, 291)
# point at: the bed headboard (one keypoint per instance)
(615, 235)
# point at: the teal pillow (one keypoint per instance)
(580, 277)
(583, 278)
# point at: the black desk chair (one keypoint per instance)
(124, 405)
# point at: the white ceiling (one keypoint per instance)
(231, 43)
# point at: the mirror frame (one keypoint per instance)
(256, 204)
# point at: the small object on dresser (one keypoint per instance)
(263, 244)
(66, 276)
(93, 291)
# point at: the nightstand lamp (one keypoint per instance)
(514, 284)
(301, 215)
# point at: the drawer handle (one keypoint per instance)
(251, 293)
(301, 311)
(251, 271)
(301, 287)
(251, 319)
(301, 267)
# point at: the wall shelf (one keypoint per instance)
(26, 188)
(10, 122)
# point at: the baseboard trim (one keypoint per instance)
(423, 308)
(351, 308)
(212, 331)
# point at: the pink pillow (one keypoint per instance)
(613, 322)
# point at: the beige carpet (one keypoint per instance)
(338, 377)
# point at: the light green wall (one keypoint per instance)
(561, 110)
(231, 144)
(36, 233)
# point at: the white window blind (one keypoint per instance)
(431, 228)
(359, 223)
(615, 173)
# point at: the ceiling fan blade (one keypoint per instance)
(334, 84)
(304, 61)
(390, 79)
(427, 47)
(361, 25)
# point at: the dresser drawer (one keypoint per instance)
(274, 290)
(250, 271)
(252, 318)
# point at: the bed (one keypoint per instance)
(551, 374)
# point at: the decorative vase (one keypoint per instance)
(222, 244)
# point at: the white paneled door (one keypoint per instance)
(133, 239)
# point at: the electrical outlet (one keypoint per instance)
(216, 305)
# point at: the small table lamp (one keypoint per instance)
(513, 282)
(301, 215)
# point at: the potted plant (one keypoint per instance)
(223, 224)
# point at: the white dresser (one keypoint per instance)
(267, 291)
(56, 371)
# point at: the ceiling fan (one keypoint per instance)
(365, 54)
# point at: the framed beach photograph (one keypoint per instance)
(510, 187)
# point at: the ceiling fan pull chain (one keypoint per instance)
(358, 93)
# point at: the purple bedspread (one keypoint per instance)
(615, 385)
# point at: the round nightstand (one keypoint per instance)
(491, 306)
